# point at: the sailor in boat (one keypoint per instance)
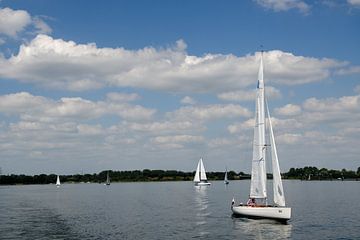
(251, 202)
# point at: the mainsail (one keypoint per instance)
(58, 181)
(202, 171)
(197, 174)
(258, 171)
(200, 174)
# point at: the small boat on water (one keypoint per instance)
(200, 178)
(226, 181)
(257, 206)
(107, 179)
(58, 181)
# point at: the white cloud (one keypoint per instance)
(41, 26)
(164, 127)
(13, 22)
(349, 70)
(284, 5)
(355, 3)
(288, 110)
(249, 95)
(342, 104)
(178, 139)
(209, 112)
(175, 141)
(220, 142)
(289, 138)
(31, 107)
(56, 63)
(188, 100)
(122, 97)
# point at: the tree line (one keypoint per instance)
(306, 173)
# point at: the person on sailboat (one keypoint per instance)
(251, 202)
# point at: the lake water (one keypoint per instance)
(174, 210)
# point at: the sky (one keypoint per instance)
(87, 86)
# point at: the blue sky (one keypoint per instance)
(87, 86)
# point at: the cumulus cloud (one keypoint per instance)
(346, 103)
(349, 70)
(178, 139)
(209, 112)
(32, 107)
(288, 110)
(241, 95)
(284, 5)
(12, 22)
(355, 3)
(60, 64)
(188, 100)
(122, 97)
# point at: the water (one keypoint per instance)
(173, 210)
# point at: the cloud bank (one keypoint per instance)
(59, 64)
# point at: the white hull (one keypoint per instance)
(277, 213)
(202, 184)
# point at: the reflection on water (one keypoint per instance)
(262, 228)
(201, 209)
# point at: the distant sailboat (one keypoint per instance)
(258, 193)
(200, 175)
(107, 179)
(226, 181)
(58, 181)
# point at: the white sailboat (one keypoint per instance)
(226, 181)
(200, 175)
(257, 206)
(58, 181)
(107, 179)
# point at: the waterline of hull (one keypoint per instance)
(267, 212)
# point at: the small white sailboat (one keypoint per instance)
(257, 206)
(200, 178)
(58, 181)
(107, 179)
(226, 181)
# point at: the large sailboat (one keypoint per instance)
(200, 175)
(257, 205)
(58, 181)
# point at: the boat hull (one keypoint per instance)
(202, 184)
(268, 212)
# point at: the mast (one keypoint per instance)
(258, 171)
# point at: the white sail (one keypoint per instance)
(226, 177)
(197, 174)
(58, 181)
(107, 179)
(202, 171)
(279, 198)
(258, 171)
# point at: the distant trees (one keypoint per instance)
(306, 173)
(313, 173)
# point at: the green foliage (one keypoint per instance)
(173, 175)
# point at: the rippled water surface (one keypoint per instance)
(174, 210)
